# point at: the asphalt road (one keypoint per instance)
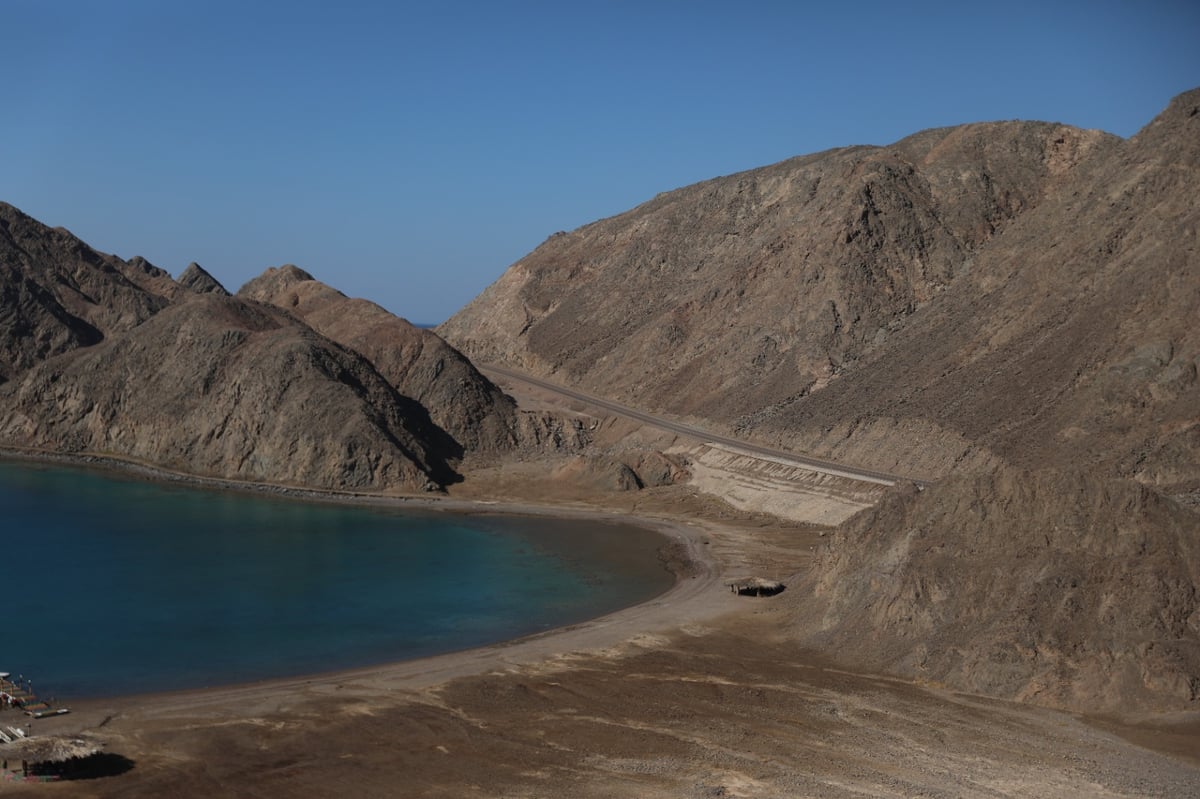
(818, 464)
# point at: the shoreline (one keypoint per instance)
(682, 690)
(656, 615)
(697, 576)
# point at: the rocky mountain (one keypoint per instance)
(1070, 341)
(222, 387)
(482, 419)
(417, 362)
(57, 294)
(1008, 308)
(105, 356)
(290, 382)
(1021, 292)
(194, 278)
(1059, 588)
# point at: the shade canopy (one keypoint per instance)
(49, 749)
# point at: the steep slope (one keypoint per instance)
(1052, 587)
(755, 289)
(58, 294)
(1018, 292)
(418, 363)
(228, 388)
(1070, 340)
(101, 355)
(196, 279)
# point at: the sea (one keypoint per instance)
(115, 585)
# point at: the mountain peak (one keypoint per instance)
(194, 278)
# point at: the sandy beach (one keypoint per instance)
(698, 692)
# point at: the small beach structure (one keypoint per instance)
(29, 758)
(19, 694)
(756, 586)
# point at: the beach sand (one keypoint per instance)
(698, 693)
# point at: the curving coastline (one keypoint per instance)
(695, 690)
(695, 571)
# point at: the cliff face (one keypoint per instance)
(1053, 587)
(1004, 291)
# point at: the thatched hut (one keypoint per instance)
(756, 586)
(46, 756)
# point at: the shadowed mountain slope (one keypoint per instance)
(58, 294)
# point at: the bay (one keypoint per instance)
(114, 585)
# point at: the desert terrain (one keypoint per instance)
(700, 693)
(697, 693)
(945, 391)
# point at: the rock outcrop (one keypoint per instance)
(1058, 588)
(196, 279)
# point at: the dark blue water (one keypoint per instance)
(112, 585)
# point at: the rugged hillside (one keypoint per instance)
(1057, 588)
(217, 386)
(418, 363)
(718, 298)
(1003, 291)
(195, 279)
(1070, 340)
(58, 294)
(101, 355)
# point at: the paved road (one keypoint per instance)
(817, 464)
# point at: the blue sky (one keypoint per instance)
(409, 152)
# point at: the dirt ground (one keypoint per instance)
(697, 694)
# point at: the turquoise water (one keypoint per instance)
(113, 585)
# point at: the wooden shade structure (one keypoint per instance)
(49, 749)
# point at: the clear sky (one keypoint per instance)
(409, 152)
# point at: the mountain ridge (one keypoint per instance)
(94, 348)
(744, 302)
